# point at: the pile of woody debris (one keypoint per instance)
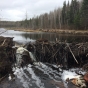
(7, 55)
(60, 53)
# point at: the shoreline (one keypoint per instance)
(59, 31)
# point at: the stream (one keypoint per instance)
(40, 75)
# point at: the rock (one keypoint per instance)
(86, 77)
(80, 82)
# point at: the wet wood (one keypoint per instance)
(60, 53)
(3, 77)
(72, 54)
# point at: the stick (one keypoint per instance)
(54, 54)
(72, 53)
(3, 42)
(3, 78)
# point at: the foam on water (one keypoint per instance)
(48, 71)
(36, 78)
(32, 56)
(24, 79)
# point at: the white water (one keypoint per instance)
(36, 78)
(32, 56)
(32, 80)
(25, 80)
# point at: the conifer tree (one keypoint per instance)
(84, 14)
(63, 17)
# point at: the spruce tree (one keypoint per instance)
(76, 14)
(84, 14)
(64, 15)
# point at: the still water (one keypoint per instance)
(40, 75)
(24, 37)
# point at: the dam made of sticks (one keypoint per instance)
(67, 55)
(61, 53)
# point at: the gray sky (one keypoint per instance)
(14, 10)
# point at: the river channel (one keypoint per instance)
(40, 75)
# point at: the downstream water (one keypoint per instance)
(40, 75)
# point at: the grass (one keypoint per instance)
(61, 31)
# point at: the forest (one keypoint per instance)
(72, 15)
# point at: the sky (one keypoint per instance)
(16, 10)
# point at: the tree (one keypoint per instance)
(64, 15)
(76, 14)
(84, 14)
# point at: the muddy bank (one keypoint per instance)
(7, 55)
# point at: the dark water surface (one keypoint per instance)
(40, 75)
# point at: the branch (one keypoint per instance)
(72, 53)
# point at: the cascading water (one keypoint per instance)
(39, 76)
(23, 56)
(32, 56)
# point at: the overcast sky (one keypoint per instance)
(15, 10)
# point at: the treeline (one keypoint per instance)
(70, 16)
(9, 24)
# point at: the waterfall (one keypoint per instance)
(20, 56)
(32, 56)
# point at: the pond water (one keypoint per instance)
(40, 75)
(24, 37)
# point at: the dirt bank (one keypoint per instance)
(6, 55)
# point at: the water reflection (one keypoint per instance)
(52, 37)
(24, 37)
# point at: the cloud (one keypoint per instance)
(16, 9)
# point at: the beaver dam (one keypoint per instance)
(60, 53)
(52, 58)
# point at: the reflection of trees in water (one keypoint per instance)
(34, 36)
(53, 36)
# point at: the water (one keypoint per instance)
(40, 75)
(24, 37)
